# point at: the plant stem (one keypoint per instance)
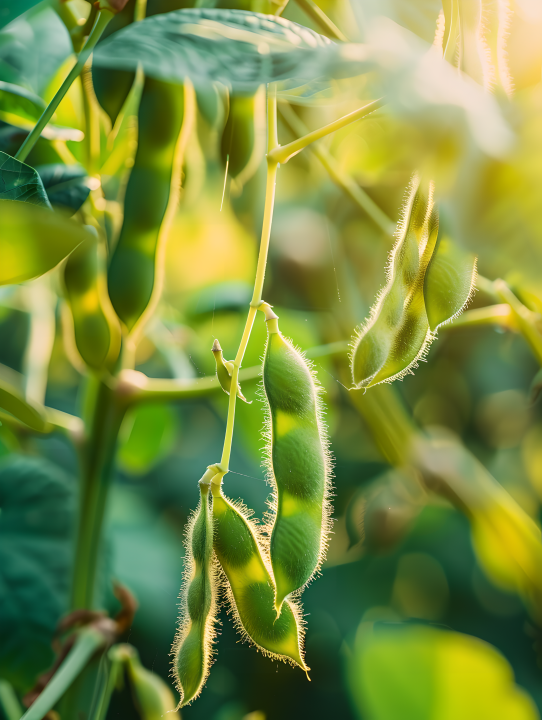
(97, 465)
(99, 26)
(88, 641)
(272, 166)
(9, 702)
(526, 319)
(344, 181)
(321, 19)
(281, 154)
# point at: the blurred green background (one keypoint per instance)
(401, 580)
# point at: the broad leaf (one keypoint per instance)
(36, 519)
(33, 240)
(11, 9)
(147, 434)
(234, 47)
(424, 673)
(67, 186)
(19, 181)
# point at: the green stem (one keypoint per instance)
(272, 166)
(321, 19)
(88, 641)
(101, 23)
(97, 465)
(528, 321)
(9, 701)
(344, 181)
(281, 154)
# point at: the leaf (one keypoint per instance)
(424, 673)
(12, 400)
(19, 181)
(33, 240)
(11, 9)
(536, 387)
(33, 47)
(147, 434)
(36, 520)
(237, 48)
(418, 16)
(67, 186)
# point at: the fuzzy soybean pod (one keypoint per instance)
(192, 648)
(250, 586)
(298, 465)
(96, 327)
(136, 264)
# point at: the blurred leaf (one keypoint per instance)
(33, 47)
(217, 297)
(418, 16)
(234, 47)
(421, 673)
(147, 434)
(448, 283)
(536, 387)
(37, 506)
(11, 9)
(33, 240)
(18, 103)
(67, 186)
(19, 181)
(12, 400)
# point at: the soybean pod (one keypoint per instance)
(192, 648)
(96, 327)
(299, 465)
(250, 586)
(135, 270)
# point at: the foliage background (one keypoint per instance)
(327, 263)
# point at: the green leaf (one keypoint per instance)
(449, 282)
(12, 400)
(67, 186)
(147, 434)
(33, 240)
(18, 103)
(19, 181)
(418, 16)
(36, 521)
(234, 47)
(422, 673)
(11, 9)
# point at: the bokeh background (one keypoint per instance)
(402, 576)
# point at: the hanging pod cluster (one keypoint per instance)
(430, 281)
(260, 570)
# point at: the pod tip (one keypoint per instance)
(216, 346)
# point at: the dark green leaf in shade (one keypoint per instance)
(19, 181)
(37, 510)
(67, 186)
(33, 240)
(11, 9)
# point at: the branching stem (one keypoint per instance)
(99, 26)
(281, 154)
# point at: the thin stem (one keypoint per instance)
(9, 702)
(88, 641)
(101, 23)
(344, 181)
(528, 322)
(283, 153)
(97, 466)
(491, 315)
(321, 19)
(272, 166)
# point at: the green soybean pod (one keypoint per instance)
(250, 587)
(96, 327)
(299, 466)
(243, 139)
(136, 267)
(192, 648)
(153, 697)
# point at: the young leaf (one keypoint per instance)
(67, 186)
(19, 181)
(33, 240)
(449, 282)
(36, 522)
(17, 103)
(234, 47)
